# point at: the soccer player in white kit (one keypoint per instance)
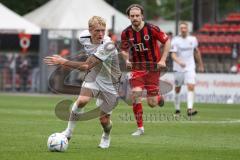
(102, 80)
(184, 48)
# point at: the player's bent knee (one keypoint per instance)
(81, 102)
(152, 103)
(105, 119)
(191, 87)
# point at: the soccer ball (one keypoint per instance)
(57, 142)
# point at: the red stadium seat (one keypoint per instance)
(234, 39)
(213, 39)
(215, 50)
(206, 38)
(219, 49)
(217, 39)
(228, 39)
(224, 28)
(227, 50)
(238, 38)
(220, 39)
(203, 38)
(215, 28)
(234, 29)
(203, 50)
(200, 38)
(212, 49)
(233, 17)
(206, 28)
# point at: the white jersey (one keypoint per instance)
(85, 40)
(106, 74)
(184, 49)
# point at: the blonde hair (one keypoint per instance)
(96, 20)
(183, 22)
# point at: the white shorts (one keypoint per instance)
(181, 78)
(105, 100)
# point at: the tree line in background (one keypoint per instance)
(23, 6)
(153, 8)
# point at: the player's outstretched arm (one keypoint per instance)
(125, 56)
(199, 60)
(58, 60)
(166, 48)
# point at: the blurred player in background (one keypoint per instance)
(184, 48)
(102, 79)
(142, 55)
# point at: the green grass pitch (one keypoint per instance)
(27, 121)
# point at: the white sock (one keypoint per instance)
(190, 99)
(177, 101)
(142, 128)
(75, 110)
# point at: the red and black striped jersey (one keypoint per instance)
(142, 46)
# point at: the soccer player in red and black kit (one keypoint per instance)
(141, 52)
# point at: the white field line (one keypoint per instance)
(188, 121)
